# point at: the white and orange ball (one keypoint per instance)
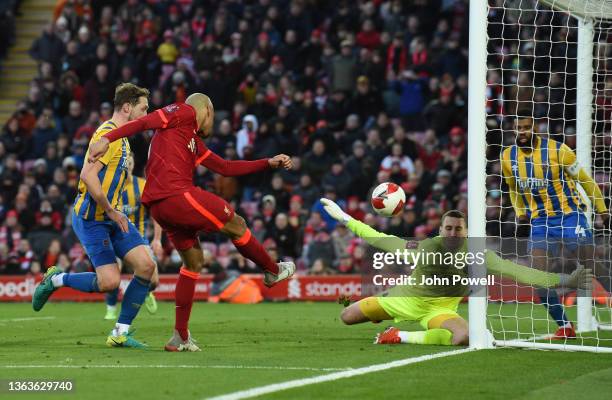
(388, 199)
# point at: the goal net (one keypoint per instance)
(548, 63)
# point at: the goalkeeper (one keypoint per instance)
(435, 307)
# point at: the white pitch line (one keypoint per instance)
(26, 319)
(277, 387)
(176, 366)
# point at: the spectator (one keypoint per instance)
(284, 236)
(343, 69)
(48, 47)
(246, 136)
(74, 120)
(367, 102)
(99, 89)
(43, 134)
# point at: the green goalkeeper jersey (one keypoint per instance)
(430, 266)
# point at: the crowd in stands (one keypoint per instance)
(356, 92)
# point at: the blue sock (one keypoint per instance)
(111, 297)
(134, 296)
(550, 300)
(82, 281)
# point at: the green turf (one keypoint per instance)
(251, 346)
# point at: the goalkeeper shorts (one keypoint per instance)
(420, 309)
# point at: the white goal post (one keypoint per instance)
(591, 20)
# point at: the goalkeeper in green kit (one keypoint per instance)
(435, 306)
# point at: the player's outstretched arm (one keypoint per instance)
(581, 278)
(241, 167)
(89, 176)
(382, 241)
(158, 119)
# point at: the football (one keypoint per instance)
(388, 199)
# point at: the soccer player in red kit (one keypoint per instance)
(183, 209)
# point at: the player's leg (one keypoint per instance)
(193, 262)
(365, 310)
(250, 248)
(205, 211)
(131, 248)
(439, 318)
(150, 301)
(95, 238)
(544, 237)
(111, 298)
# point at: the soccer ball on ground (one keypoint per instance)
(388, 199)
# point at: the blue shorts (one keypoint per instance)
(103, 240)
(549, 233)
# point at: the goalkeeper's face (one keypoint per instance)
(524, 132)
(454, 232)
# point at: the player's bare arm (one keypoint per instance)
(89, 175)
(156, 244)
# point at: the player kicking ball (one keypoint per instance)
(106, 233)
(183, 209)
(435, 307)
(138, 214)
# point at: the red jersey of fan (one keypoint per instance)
(176, 150)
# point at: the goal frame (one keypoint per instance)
(479, 335)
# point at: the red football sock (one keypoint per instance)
(250, 247)
(185, 289)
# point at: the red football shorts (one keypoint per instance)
(184, 215)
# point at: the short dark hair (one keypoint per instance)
(128, 93)
(523, 112)
(453, 214)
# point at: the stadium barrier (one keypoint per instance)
(14, 288)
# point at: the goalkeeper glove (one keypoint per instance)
(581, 278)
(335, 211)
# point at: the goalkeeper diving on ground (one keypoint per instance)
(435, 307)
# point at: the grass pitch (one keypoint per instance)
(249, 346)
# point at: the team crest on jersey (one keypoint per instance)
(171, 108)
(192, 145)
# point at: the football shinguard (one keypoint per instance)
(250, 248)
(184, 292)
(82, 281)
(134, 296)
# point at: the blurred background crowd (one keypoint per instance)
(357, 92)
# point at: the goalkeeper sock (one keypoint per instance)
(430, 336)
(550, 300)
(250, 248)
(111, 297)
(81, 281)
(134, 296)
(184, 292)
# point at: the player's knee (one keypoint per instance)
(194, 265)
(147, 267)
(107, 283)
(347, 316)
(460, 338)
(236, 227)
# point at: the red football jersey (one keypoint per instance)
(176, 150)
(173, 153)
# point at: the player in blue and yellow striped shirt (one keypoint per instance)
(138, 214)
(104, 231)
(543, 177)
